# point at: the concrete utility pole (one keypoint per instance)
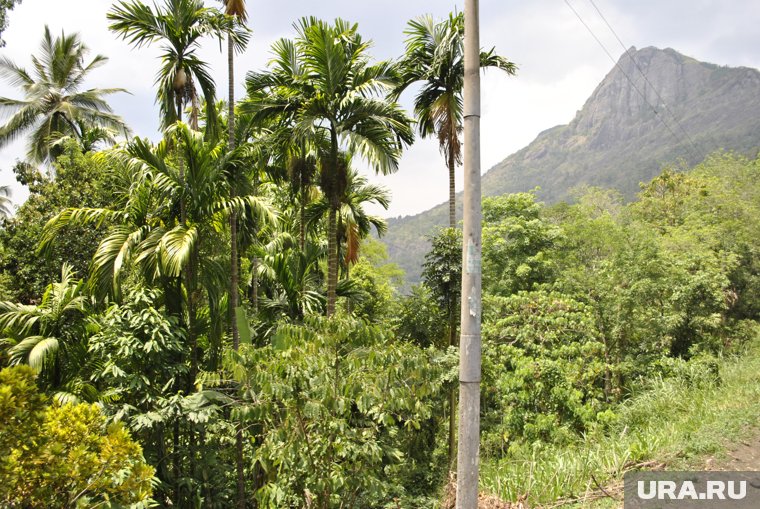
(469, 343)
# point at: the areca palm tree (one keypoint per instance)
(235, 9)
(434, 56)
(338, 93)
(291, 278)
(179, 25)
(147, 234)
(50, 337)
(54, 103)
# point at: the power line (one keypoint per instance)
(630, 81)
(641, 71)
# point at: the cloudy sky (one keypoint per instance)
(559, 62)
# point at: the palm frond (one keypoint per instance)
(176, 248)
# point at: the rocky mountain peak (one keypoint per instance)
(654, 108)
(643, 85)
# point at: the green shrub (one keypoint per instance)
(544, 369)
(64, 456)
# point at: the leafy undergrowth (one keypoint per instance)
(673, 425)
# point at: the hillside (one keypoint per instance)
(618, 139)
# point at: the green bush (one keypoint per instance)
(342, 411)
(544, 369)
(64, 456)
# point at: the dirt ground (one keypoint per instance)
(745, 456)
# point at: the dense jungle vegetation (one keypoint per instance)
(207, 320)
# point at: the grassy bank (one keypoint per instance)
(677, 422)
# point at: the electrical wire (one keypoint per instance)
(643, 74)
(630, 81)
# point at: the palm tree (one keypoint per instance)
(295, 149)
(179, 25)
(235, 9)
(51, 338)
(146, 232)
(291, 280)
(90, 140)
(435, 56)
(54, 104)
(148, 237)
(337, 94)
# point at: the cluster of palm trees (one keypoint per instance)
(247, 204)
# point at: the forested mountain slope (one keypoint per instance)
(654, 108)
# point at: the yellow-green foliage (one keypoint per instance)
(64, 456)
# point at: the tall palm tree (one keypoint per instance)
(54, 103)
(295, 149)
(338, 93)
(179, 25)
(146, 231)
(297, 155)
(434, 56)
(235, 9)
(149, 238)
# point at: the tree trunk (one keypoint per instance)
(181, 162)
(191, 288)
(332, 260)
(332, 226)
(234, 276)
(234, 281)
(470, 342)
(349, 307)
(239, 466)
(452, 163)
(176, 466)
(302, 226)
(255, 260)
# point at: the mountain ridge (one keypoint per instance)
(654, 108)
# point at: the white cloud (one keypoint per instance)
(560, 63)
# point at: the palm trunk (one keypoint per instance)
(452, 315)
(191, 287)
(176, 466)
(348, 277)
(255, 260)
(452, 187)
(234, 276)
(182, 210)
(239, 466)
(332, 227)
(332, 260)
(302, 232)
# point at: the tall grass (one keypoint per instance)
(676, 421)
